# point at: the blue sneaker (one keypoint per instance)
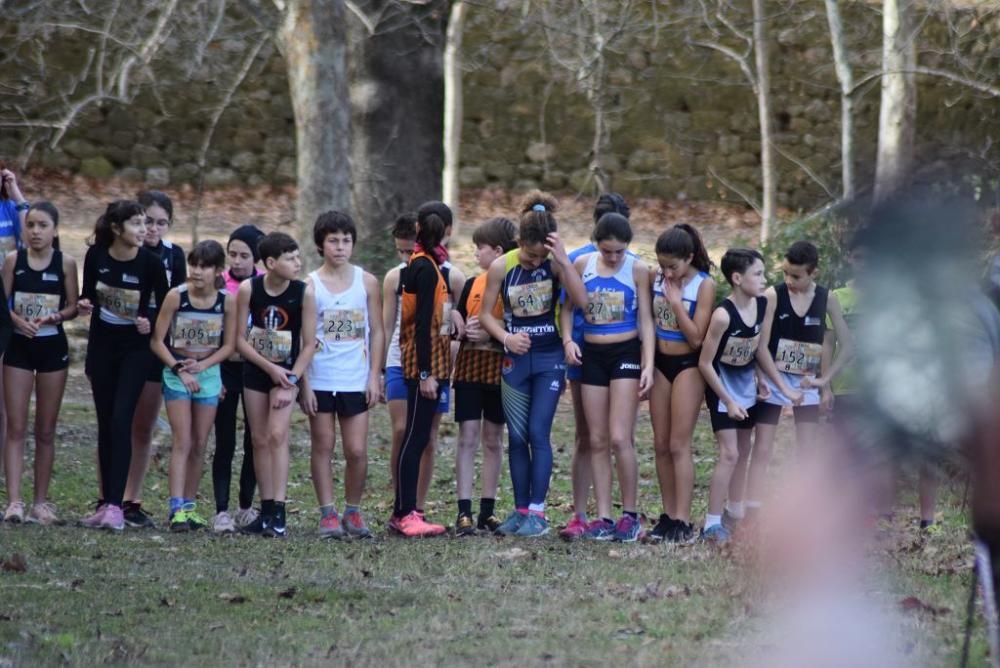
(600, 529)
(717, 534)
(533, 525)
(511, 525)
(628, 529)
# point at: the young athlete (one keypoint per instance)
(42, 283)
(243, 258)
(794, 327)
(13, 212)
(277, 350)
(159, 218)
(683, 299)
(572, 320)
(527, 279)
(120, 279)
(727, 364)
(195, 331)
(478, 407)
(617, 361)
(343, 378)
(425, 343)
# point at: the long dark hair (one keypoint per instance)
(682, 241)
(114, 216)
(49, 209)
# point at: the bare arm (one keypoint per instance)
(390, 302)
(228, 335)
(764, 360)
(647, 334)
(716, 328)
(166, 316)
(694, 328)
(494, 279)
(307, 334)
(840, 355)
(376, 339)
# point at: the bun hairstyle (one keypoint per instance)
(610, 203)
(537, 221)
(683, 241)
(432, 220)
(114, 216)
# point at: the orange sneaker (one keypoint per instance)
(415, 526)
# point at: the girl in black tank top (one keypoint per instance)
(38, 355)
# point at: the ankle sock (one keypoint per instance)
(712, 521)
(487, 506)
(350, 508)
(538, 508)
(736, 509)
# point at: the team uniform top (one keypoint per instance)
(197, 331)
(528, 303)
(797, 344)
(612, 307)
(172, 259)
(276, 321)
(478, 363)
(122, 291)
(846, 382)
(394, 357)
(734, 360)
(432, 315)
(342, 337)
(664, 317)
(10, 227)
(38, 294)
(233, 287)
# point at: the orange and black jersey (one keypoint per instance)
(478, 363)
(425, 320)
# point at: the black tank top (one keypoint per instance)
(787, 324)
(197, 330)
(36, 294)
(739, 342)
(276, 322)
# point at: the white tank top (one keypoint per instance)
(341, 361)
(395, 357)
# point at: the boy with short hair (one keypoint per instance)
(278, 349)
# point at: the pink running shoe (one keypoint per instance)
(94, 521)
(575, 529)
(114, 518)
(414, 526)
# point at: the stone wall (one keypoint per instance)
(678, 114)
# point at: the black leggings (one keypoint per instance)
(118, 361)
(419, 416)
(225, 442)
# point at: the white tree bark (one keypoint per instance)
(768, 175)
(314, 44)
(845, 77)
(897, 112)
(453, 106)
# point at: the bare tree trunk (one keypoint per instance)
(897, 112)
(768, 175)
(845, 77)
(453, 105)
(314, 43)
(397, 95)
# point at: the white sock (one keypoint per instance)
(712, 521)
(536, 507)
(735, 509)
(753, 505)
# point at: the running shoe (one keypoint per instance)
(600, 529)
(664, 528)
(415, 526)
(223, 523)
(195, 520)
(136, 517)
(354, 524)
(179, 521)
(465, 525)
(14, 512)
(329, 527)
(717, 534)
(256, 527)
(43, 513)
(245, 516)
(113, 519)
(275, 526)
(683, 532)
(510, 526)
(534, 525)
(574, 529)
(94, 521)
(929, 528)
(628, 529)
(487, 523)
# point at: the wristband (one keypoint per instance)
(23, 206)
(176, 369)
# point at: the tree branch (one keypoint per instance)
(805, 168)
(754, 204)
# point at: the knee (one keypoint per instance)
(598, 443)
(728, 456)
(492, 446)
(17, 430)
(355, 455)
(621, 444)
(44, 437)
(680, 447)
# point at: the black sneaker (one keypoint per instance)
(275, 526)
(465, 525)
(682, 532)
(256, 528)
(136, 517)
(662, 530)
(487, 523)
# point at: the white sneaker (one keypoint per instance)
(245, 516)
(223, 523)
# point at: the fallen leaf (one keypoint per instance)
(233, 598)
(16, 564)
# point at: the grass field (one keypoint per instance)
(152, 597)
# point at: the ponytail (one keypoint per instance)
(683, 241)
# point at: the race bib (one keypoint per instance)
(530, 299)
(344, 325)
(739, 351)
(798, 357)
(445, 328)
(34, 306)
(122, 302)
(197, 332)
(273, 345)
(605, 307)
(666, 319)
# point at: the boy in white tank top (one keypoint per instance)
(343, 379)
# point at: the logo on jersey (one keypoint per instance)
(539, 274)
(782, 316)
(508, 366)
(812, 322)
(274, 317)
(129, 278)
(49, 277)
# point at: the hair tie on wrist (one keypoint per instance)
(538, 207)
